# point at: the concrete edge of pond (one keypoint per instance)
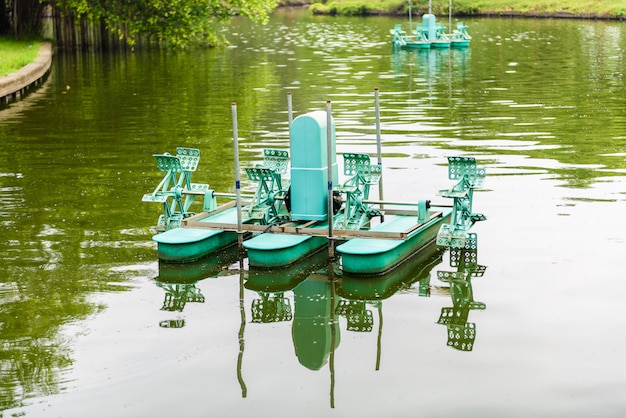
(15, 85)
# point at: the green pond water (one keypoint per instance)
(92, 325)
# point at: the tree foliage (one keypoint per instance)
(175, 22)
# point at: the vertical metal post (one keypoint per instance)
(329, 152)
(333, 329)
(380, 335)
(410, 22)
(237, 177)
(450, 18)
(379, 150)
(242, 328)
(289, 109)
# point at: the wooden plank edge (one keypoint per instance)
(203, 215)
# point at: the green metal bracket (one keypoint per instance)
(423, 214)
(363, 175)
(210, 201)
(174, 189)
(469, 177)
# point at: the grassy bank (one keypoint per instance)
(14, 54)
(613, 9)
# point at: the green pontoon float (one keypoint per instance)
(370, 256)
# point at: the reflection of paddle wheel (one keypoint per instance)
(172, 323)
(177, 296)
(359, 318)
(423, 288)
(272, 307)
(462, 337)
(461, 334)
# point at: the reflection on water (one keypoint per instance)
(462, 334)
(271, 307)
(322, 303)
(178, 281)
(33, 314)
(523, 95)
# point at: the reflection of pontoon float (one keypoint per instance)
(291, 219)
(430, 33)
(414, 271)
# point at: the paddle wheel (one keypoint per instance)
(271, 190)
(356, 214)
(176, 191)
(470, 177)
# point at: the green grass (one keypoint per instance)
(601, 8)
(584, 8)
(14, 54)
(359, 7)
